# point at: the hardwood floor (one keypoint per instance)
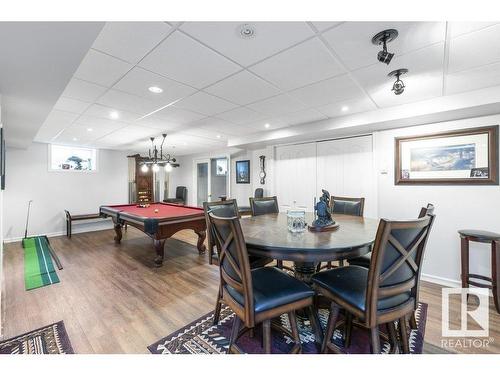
(113, 300)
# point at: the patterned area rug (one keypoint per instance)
(201, 337)
(51, 339)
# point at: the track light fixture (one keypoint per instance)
(382, 38)
(398, 87)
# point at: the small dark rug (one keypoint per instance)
(201, 337)
(51, 339)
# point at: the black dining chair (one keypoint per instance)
(385, 292)
(226, 208)
(246, 210)
(180, 196)
(255, 295)
(265, 205)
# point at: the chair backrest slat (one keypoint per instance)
(262, 206)
(227, 208)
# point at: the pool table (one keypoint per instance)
(159, 221)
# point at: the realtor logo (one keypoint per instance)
(478, 314)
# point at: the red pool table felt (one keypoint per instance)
(165, 210)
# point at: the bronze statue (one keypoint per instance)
(322, 210)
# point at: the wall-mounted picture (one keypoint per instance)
(466, 156)
(221, 167)
(243, 172)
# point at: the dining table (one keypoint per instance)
(268, 236)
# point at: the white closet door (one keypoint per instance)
(345, 168)
(295, 176)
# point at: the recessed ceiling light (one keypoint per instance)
(89, 129)
(267, 125)
(218, 135)
(114, 115)
(344, 108)
(75, 139)
(155, 89)
(184, 143)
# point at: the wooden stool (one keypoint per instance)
(467, 235)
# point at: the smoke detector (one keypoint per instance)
(246, 31)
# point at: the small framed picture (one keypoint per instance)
(243, 172)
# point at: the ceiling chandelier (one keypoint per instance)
(157, 159)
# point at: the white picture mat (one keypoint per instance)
(480, 140)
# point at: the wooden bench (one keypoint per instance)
(70, 218)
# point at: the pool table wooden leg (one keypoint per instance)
(201, 239)
(159, 248)
(118, 232)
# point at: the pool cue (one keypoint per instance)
(27, 219)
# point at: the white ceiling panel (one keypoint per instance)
(202, 138)
(273, 124)
(241, 116)
(131, 41)
(243, 88)
(178, 115)
(99, 124)
(269, 38)
(424, 80)
(473, 79)
(328, 91)
(127, 102)
(475, 49)
(298, 66)
(105, 70)
(84, 91)
(105, 112)
(218, 126)
(321, 26)
(459, 28)
(205, 104)
(71, 105)
(352, 40)
(302, 117)
(55, 122)
(158, 123)
(185, 60)
(75, 135)
(278, 105)
(138, 81)
(348, 107)
(129, 134)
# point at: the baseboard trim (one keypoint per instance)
(441, 280)
(61, 233)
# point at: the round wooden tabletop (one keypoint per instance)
(268, 235)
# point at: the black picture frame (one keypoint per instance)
(242, 172)
(2, 160)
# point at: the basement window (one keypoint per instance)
(72, 159)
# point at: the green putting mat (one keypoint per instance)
(38, 267)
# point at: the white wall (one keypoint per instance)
(27, 177)
(457, 207)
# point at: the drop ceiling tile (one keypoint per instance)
(74, 135)
(473, 79)
(302, 117)
(71, 105)
(130, 41)
(205, 104)
(178, 115)
(274, 123)
(138, 81)
(158, 123)
(202, 138)
(474, 49)
(348, 107)
(82, 90)
(321, 26)
(460, 27)
(241, 116)
(269, 38)
(298, 66)
(53, 124)
(352, 40)
(105, 70)
(424, 80)
(278, 105)
(185, 60)
(218, 126)
(129, 134)
(105, 112)
(127, 102)
(99, 124)
(243, 88)
(328, 91)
